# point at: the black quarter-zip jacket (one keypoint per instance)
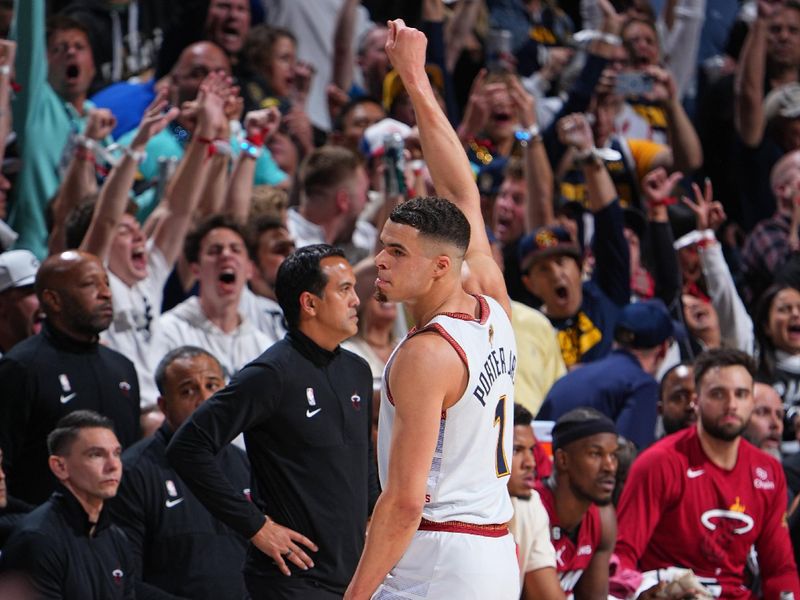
(306, 415)
(177, 546)
(46, 377)
(64, 558)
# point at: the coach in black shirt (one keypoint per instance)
(62, 369)
(305, 409)
(179, 549)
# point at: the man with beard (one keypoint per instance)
(765, 428)
(195, 63)
(577, 496)
(701, 498)
(62, 369)
(676, 398)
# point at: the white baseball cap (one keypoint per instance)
(17, 269)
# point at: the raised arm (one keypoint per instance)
(538, 173)
(183, 196)
(445, 157)
(259, 125)
(687, 153)
(574, 130)
(80, 179)
(749, 84)
(114, 194)
(343, 55)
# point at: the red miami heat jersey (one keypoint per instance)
(680, 509)
(472, 461)
(572, 558)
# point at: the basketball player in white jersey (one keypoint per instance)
(446, 420)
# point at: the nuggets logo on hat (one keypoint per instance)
(546, 239)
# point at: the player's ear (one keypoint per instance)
(442, 265)
(560, 460)
(58, 466)
(308, 304)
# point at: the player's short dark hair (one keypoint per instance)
(176, 354)
(60, 440)
(58, 23)
(721, 357)
(580, 423)
(191, 246)
(522, 416)
(436, 218)
(301, 272)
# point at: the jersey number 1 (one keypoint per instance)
(500, 419)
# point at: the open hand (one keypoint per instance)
(708, 213)
(155, 119)
(282, 544)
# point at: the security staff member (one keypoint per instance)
(304, 407)
(178, 547)
(68, 547)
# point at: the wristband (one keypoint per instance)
(526, 136)
(256, 138)
(585, 36)
(83, 153)
(138, 156)
(215, 146)
(250, 149)
(668, 201)
(694, 237)
(596, 156)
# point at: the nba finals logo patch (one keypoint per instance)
(355, 399)
(117, 574)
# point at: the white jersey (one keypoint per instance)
(467, 481)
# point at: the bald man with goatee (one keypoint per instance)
(61, 369)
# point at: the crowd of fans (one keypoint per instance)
(639, 170)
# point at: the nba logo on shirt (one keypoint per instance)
(171, 490)
(310, 397)
(356, 400)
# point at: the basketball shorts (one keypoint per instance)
(441, 566)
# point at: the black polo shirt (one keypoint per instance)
(306, 417)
